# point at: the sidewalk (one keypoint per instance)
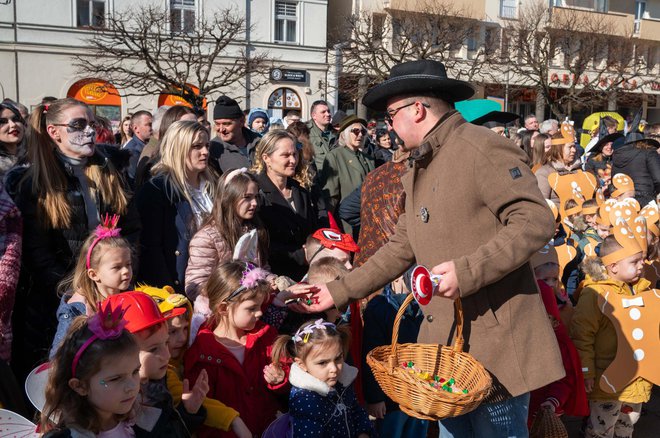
(648, 425)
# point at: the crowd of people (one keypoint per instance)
(182, 277)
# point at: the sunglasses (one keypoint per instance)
(15, 119)
(358, 131)
(79, 124)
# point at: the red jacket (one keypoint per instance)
(241, 387)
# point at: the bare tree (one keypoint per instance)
(138, 53)
(569, 56)
(436, 30)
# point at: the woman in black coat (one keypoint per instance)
(638, 158)
(287, 209)
(70, 185)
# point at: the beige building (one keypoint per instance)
(38, 39)
(633, 21)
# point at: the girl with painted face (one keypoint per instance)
(69, 186)
(12, 131)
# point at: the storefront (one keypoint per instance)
(282, 101)
(172, 100)
(101, 96)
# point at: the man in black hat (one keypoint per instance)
(475, 215)
(234, 145)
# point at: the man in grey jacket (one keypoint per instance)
(234, 145)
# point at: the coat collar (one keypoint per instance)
(438, 135)
(267, 186)
(303, 380)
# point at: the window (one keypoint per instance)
(508, 8)
(472, 40)
(182, 16)
(601, 5)
(91, 13)
(640, 9)
(286, 22)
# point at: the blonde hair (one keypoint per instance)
(174, 149)
(225, 279)
(345, 135)
(49, 180)
(268, 145)
(78, 280)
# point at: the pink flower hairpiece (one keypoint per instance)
(106, 230)
(105, 324)
(303, 333)
(252, 276)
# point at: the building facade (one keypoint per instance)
(636, 23)
(38, 40)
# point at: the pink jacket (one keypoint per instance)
(207, 249)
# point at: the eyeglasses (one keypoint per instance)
(79, 124)
(390, 113)
(358, 131)
(15, 119)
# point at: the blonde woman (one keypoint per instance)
(70, 185)
(174, 203)
(287, 209)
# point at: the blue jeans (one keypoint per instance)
(398, 424)
(507, 419)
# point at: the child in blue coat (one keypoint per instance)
(322, 402)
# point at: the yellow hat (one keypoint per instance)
(622, 183)
(604, 212)
(567, 135)
(629, 230)
(652, 216)
(166, 298)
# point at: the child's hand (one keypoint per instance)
(273, 375)
(376, 410)
(589, 385)
(240, 429)
(549, 405)
(192, 399)
(299, 290)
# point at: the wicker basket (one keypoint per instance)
(547, 425)
(416, 397)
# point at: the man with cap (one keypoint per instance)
(234, 145)
(321, 133)
(474, 214)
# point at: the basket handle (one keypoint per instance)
(458, 339)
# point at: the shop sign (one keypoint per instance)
(286, 75)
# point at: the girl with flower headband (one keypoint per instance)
(94, 379)
(322, 402)
(234, 347)
(104, 268)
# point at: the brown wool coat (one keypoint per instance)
(485, 212)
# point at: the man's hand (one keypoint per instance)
(192, 398)
(589, 385)
(448, 287)
(376, 410)
(321, 300)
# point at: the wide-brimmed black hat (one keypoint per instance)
(635, 137)
(501, 118)
(609, 138)
(423, 76)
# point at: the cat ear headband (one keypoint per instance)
(106, 230)
(104, 324)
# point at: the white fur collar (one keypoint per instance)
(303, 380)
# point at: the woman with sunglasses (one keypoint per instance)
(346, 166)
(70, 185)
(12, 130)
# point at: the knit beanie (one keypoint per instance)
(226, 108)
(257, 114)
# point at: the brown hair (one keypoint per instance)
(325, 270)
(49, 180)
(223, 216)
(225, 279)
(285, 347)
(172, 115)
(538, 149)
(124, 137)
(608, 246)
(305, 153)
(64, 406)
(78, 280)
(556, 152)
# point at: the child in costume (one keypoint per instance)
(218, 415)
(234, 217)
(94, 382)
(233, 347)
(322, 403)
(104, 268)
(158, 415)
(567, 395)
(617, 271)
(378, 319)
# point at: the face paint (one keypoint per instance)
(81, 142)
